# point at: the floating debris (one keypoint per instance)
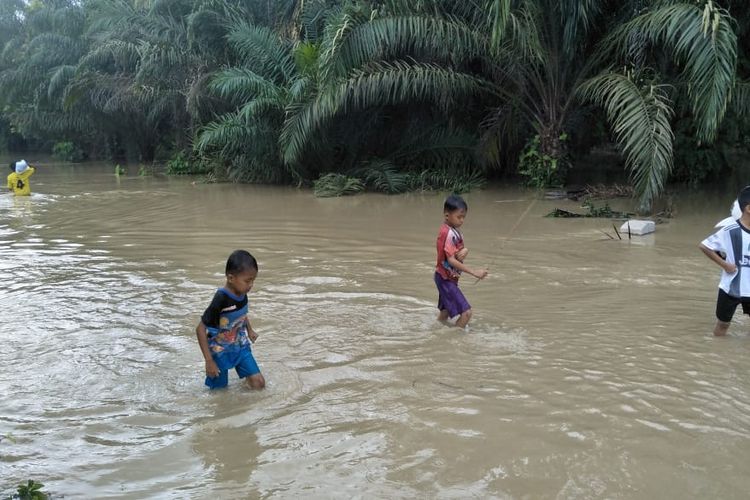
(604, 212)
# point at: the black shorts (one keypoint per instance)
(726, 305)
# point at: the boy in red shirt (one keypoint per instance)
(451, 253)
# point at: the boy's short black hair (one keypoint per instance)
(240, 261)
(744, 198)
(453, 203)
(13, 166)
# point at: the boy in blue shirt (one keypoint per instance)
(224, 332)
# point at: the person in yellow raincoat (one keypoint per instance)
(18, 180)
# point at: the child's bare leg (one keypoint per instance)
(463, 320)
(255, 381)
(721, 328)
(443, 317)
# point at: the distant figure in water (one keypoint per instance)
(224, 332)
(733, 242)
(451, 254)
(18, 179)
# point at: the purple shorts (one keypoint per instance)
(450, 297)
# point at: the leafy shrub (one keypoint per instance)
(29, 491)
(382, 175)
(329, 185)
(67, 151)
(145, 170)
(542, 170)
(181, 164)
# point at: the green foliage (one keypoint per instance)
(382, 175)
(67, 151)
(542, 170)
(32, 490)
(120, 170)
(696, 163)
(453, 179)
(702, 39)
(178, 165)
(145, 170)
(603, 211)
(640, 114)
(399, 94)
(182, 164)
(332, 184)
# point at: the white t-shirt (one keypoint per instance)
(733, 240)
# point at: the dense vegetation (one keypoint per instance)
(387, 95)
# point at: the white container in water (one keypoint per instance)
(638, 227)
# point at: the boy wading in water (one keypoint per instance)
(451, 253)
(18, 179)
(224, 332)
(733, 241)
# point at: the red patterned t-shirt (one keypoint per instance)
(449, 242)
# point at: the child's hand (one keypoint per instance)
(252, 335)
(729, 267)
(461, 254)
(211, 369)
(480, 274)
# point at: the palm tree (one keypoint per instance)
(535, 65)
(276, 82)
(35, 60)
(149, 65)
(274, 77)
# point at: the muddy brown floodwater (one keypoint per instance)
(589, 370)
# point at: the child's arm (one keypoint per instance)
(457, 264)
(461, 254)
(211, 369)
(726, 266)
(250, 332)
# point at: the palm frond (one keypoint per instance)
(51, 49)
(259, 108)
(241, 85)
(522, 36)
(313, 17)
(337, 30)
(741, 101)
(381, 174)
(263, 51)
(124, 54)
(640, 119)
(500, 14)
(60, 78)
(386, 38)
(704, 42)
(434, 146)
(577, 17)
(196, 95)
(383, 84)
(228, 132)
(330, 185)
